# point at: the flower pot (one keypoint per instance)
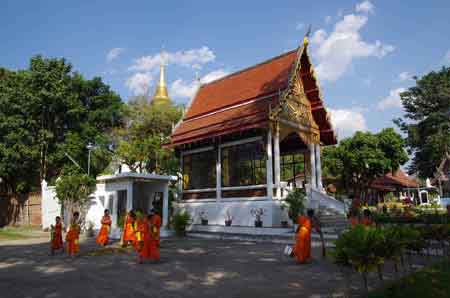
(258, 223)
(228, 223)
(204, 222)
(284, 224)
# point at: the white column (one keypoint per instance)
(318, 168)
(165, 213)
(218, 175)
(130, 196)
(269, 164)
(115, 205)
(312, 155)
(276, 152)
(180, 184)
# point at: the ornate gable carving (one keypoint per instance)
(295, 107)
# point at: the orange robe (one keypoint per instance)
(102, 237)
(354, 221)
(302, 248)
(128, 230)
(57, 242)
(72, 239)
(151, 232)
(137, 226)
(144, 230)
(366, 221)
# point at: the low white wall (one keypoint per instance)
(50, 206)
(239, 210)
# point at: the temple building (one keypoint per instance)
(244, 136)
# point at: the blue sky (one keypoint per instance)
(365, 52)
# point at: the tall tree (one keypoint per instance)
(427, 121)
(139, 142)
(357, 161)
(49, 111)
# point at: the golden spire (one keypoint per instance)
(161, 93)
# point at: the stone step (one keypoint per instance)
(280, 239)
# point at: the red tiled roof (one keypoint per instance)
(400, 179)
(241, 101)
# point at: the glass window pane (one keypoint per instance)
(199, 170)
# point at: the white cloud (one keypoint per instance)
(114, 54)
(183, 89)
(392, 100)
(347, 121)
(405, 76)
(139, 83)
(336, 51)
(299, 26)
(192, 58)
(213, 75)
(365, 7)
(328, 19)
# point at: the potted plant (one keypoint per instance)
(228, 219)
(204, 218)
(180, 221)
(258, 213)
(295, 203)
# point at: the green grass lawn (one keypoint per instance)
(16, 233)
(433, 282)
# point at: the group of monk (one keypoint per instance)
(141, 231)
(356, 219)
(72, 236)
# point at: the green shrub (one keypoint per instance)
(180, 221)
(295, 203)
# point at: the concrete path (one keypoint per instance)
(189, 268)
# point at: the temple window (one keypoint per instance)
(244, 164)
(293, 167)
(199, 170)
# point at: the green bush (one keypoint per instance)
(295, 203)
(180, 221)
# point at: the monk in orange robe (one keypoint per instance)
(56, 236)
(129, 232)
(103, 234)
(354, 218)
(138, 227)
(151, 234)
(73, 235)
(302, 248)
(367, 218)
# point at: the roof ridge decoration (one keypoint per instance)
(294, 106)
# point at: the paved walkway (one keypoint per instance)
(189, 268)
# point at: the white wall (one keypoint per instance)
(238, 209)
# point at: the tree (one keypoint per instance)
(427, 121)
(357, 161)
(73, 190)
(147, 127)
(46, 112)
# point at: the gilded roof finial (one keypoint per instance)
(161, 93)
(306, 38)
